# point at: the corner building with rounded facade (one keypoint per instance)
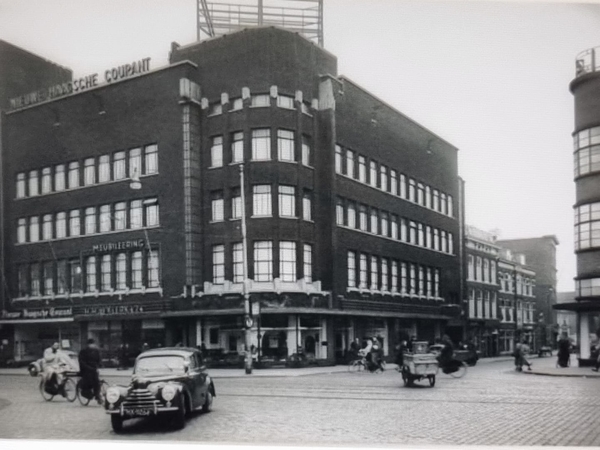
(353, 211)
(585, 88)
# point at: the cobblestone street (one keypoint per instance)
(492, 405)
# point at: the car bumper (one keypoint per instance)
(123, 412)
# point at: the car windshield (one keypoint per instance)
(160, 365)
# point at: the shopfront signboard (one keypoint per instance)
(43, 313)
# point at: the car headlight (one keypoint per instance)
(168, 392)
(112, 395)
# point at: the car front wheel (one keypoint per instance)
(208, 402)
(179, 417)
(117, 423)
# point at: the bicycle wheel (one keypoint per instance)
(70, 390)
(461, 370)
(45, 395)
(83, 400)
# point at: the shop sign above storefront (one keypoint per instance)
(45, 313)
(111, 310)
(80, 84)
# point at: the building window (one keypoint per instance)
(443, 204)
(374, 273)
(153, 269)
(119, 166)
(363, 271)
(444, 241)
(46, 180)
(339, 212)
(152, 216)
(436, 239)
(236, 203)
(374, 221)
(472, 304)
(121, 272)
(470, 268)
(384, 274)
(412, 188)
(394, 227)
(403, 186)
(35, 280)
(308, 263)
(362, 217)
(493, 272)
(287, 201)
(47, 227)
(421, 194)
(135, 214)
(74, 223)
(21, 185)
(237, 147)
(394, 276)
(216, 152)
(61, 277)
(73, 175)
(104, 169)
(261, 144)
(383, 178)
(587, 151)
(61, 225)
(218, 259)
(587, 226)
(34, 229)
(135, 162)
(350, 163)
(59, 178)
(260, 100)
(384, 224)
(421, 281)
(436, 283)
(486, 271)
(215, 109)
(306, 153)
(120, 216)
(338, 159)
(136, 270)
(393, 182)
(287, 261)
(151, 159)
(89, 171)
(351, 269)
(413, 280)
(90, 220)
(33, 183)
(450, 206)
(450, 243)
(428, 237)
(404, 278)
(373, 173)
(105, 273)
(105, 219)
(217, 207)
(421, 235)
(261, 200)
(285, 145)
(413, 233)
(22, 231)
(90, 274)
(263, 261)
(403, 230)
(285, 101)
(436, 200)
(429, 282)
(48, 278)
(478, 268)
(427, 197)
(362, 169)
(238, 262)
(307, 206)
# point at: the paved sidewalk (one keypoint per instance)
(547, 366)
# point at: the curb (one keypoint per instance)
(570, 375)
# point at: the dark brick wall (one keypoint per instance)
(22, 72)
(258, 58)
(137, 112)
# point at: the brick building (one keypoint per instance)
(352, 209)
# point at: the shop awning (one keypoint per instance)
(21, 321)
(581, 306)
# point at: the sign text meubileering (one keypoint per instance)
(80, 84)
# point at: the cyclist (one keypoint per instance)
(52, 361)
(89, 362)
(446, 356)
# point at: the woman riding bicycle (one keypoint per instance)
(89, 362)
(446, 357)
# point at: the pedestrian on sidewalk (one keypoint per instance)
(564, 351)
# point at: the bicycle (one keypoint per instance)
(66, 388)
(361, 364)
(454, 368)
(86, 401)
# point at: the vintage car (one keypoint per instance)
(166, 381)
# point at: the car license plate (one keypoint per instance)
(137, 412)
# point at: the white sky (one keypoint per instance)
(491, 78)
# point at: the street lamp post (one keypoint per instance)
(245, 287)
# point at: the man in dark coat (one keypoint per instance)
(89, 362)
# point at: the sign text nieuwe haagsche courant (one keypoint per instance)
(80, 84)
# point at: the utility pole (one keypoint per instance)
(248, 322)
